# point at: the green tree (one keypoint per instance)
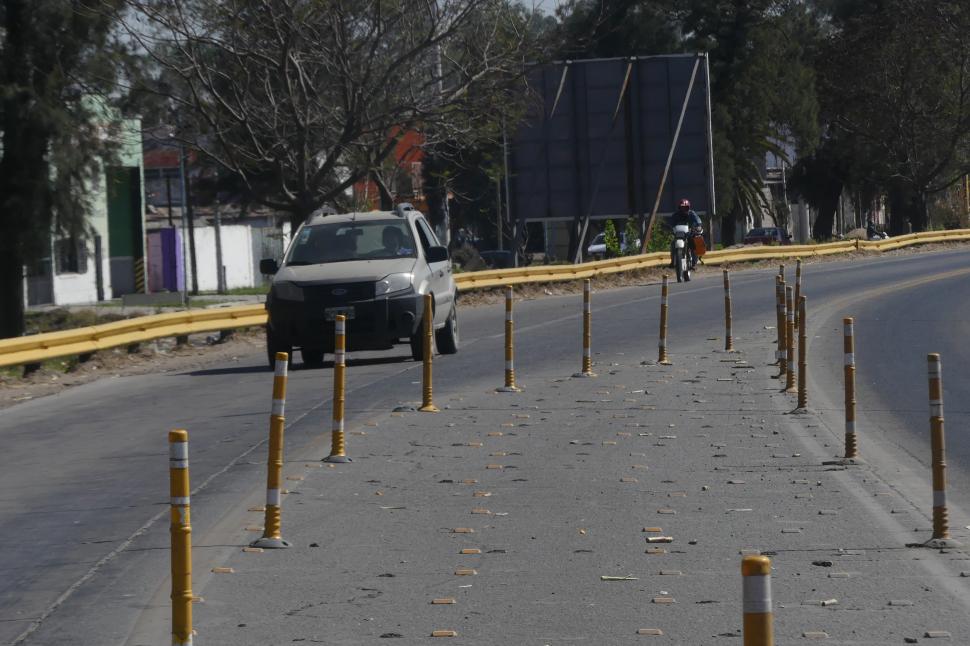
(895, 75)
(56, 57)
(762, 91)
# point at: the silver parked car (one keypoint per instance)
(374, 268)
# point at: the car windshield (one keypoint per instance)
(757, 232)
(355, 240)
(598, 239)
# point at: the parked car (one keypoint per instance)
(374, 268)
(767, 235)
(597, 248)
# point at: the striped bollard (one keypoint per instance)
(780, 323)
(790, 339)
(662, 358)
(798, 291)
(941, 529)
(587, 331)
(802, 356)
(728, 337)
(427, 401)
(272, 537)
(338, 448)
(181, 537)
(756, 589)
(848, 345)
(509, 386)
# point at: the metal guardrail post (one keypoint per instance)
(662, 357)
(338, 446)
(728, 337)
(272, 536)
(789, 339)
(941, 516)
(180, 532)
(848, 346)
(427, 400)
(509, 386)
(587, 331)
(756, 589)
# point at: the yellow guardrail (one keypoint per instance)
(40, 347)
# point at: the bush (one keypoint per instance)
(611, 240)
(467, 258)
(632, 235)
(661, 238)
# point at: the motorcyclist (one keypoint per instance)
(685, 215)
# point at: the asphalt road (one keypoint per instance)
(83, 513)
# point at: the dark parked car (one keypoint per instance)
(767, 235)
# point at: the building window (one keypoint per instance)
(72, 256)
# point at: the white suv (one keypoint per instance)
(374, 268)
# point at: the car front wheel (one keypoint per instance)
(447, 337)
(273, 346)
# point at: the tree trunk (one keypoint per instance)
(729, 228)
(11, 287)
(386, 199)
(899, 205)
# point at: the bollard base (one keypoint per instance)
(798, 411)
(583, 375)
(791, 391)
(430, 408)
(942, 543)
(271, 543)
(665, 362)
(338, 459)
(508, 389)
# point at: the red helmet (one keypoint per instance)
(684, 204)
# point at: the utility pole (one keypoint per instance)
(445, 211)
(183, 223)
(514, 243)
(188, 217)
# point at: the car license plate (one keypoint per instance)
(331, 313)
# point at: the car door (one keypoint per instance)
(440, 272)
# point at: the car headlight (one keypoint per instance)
(393, 283)
(288, 291)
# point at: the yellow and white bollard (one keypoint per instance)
(509, 386)
(941, 516)
(780, 324)
(427, 401)
(728, 337)
(662, 358)
(789, 339)
(798, 291)
(272, 537)
(181, 537)
(802, 356)
(338, 446)
(848, 346)
(756, 590)
(587, 331)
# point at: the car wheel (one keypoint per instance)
(272, 347)
(312, 358)
(447, 337)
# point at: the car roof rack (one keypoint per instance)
(402, 208)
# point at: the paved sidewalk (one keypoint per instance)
(566, 482)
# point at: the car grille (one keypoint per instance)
(351, 292)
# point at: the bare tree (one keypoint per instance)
(303, 98)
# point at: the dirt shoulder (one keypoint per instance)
(164, 355)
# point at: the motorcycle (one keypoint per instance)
(684, 256)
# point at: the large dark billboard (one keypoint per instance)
(599, 136)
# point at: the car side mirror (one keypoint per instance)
(437, 254)
(268, 266)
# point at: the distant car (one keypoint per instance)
(374, 269)
(767, 235)
(597, 248)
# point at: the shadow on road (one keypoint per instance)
(250, 369)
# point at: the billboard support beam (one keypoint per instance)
(670, 157)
